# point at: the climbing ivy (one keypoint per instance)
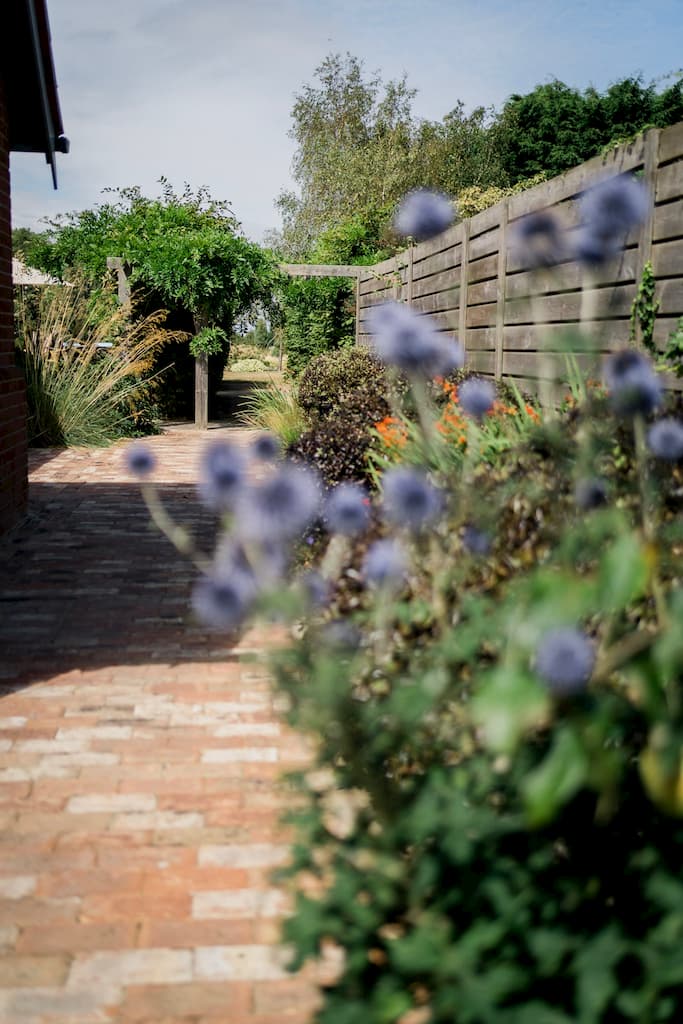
(644, 309)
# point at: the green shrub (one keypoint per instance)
(275, 408)
(328, 380)
(338, 444)
(320, 316)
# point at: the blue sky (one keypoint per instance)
(201, 90)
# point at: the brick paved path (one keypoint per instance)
(139, 759)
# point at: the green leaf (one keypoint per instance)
(559, 776)
(510, 702)
(624, 573)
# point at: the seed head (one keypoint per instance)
(385, 564)
(608, 212)
(222, 475)
(476, 397)
(424, 214)
(222, 599)
(409, 499)
(347, 510)
(266, 448)
(476, 541)
(632, 382)
(590, 493)
(412, 342)
(665, 439)
(564, 660)
(281, 507)
(140, 460)
(538, 239)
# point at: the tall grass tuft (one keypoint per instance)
(85, 362)
(275, 408)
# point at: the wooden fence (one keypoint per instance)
(479, 289)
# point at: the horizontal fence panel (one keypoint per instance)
(671, 143)
(484, 291)
(481, 361)
(670, 294)
(667, 259)
(566, 307)
(482, 316)
(603, 335)
(480, 338)
(484, 245)
(483, 269)
(668, 219)
(437, 282)
(571, 277)
(438, 302)
(669, 182)
(445, 260)
(550, 365)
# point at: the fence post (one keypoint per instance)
(464, 269)
(358, 307)
(500, 293)
(651, 163)
(409, 282)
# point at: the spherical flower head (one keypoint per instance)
(632, 382)
(564, 660)
(665, 439)
(140, 460)
(476, 397)
(424, 214)
(266, 448)
(609, 210)
(222, 599)
(222, 475)
(538, 239)
(347, 510)
(476, 541)
(281, 507)
(412, 342)
(385, 564)
(317, 590)
(341, 635)
(409, 499)
(590, 493)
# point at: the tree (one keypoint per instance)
(186, 249)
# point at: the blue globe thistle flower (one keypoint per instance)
(266, 448)
(222, 475)
(590, 493)
(341, 635)
(223, 598)
(412, 342)
(408, 498)
(632, 382)
(665, 439)
(476, 397)
(608, 212)
(424, 214)
(316, 588)
(140, 460)
(280, 507)
(385, 563)
(476, 541)
(539, 240)
(564, 660)
(347, 510)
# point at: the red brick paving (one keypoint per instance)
(139, 763)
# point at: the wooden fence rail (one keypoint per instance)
(478, 288)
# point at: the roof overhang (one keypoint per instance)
(35, 120)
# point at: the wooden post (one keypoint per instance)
(201, 391)
(358, 308)
(116, 263)
(410, 276)
(464, 267)
(500, 293)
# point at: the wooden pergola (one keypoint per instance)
(328, 270)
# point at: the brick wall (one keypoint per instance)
(13, 453)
